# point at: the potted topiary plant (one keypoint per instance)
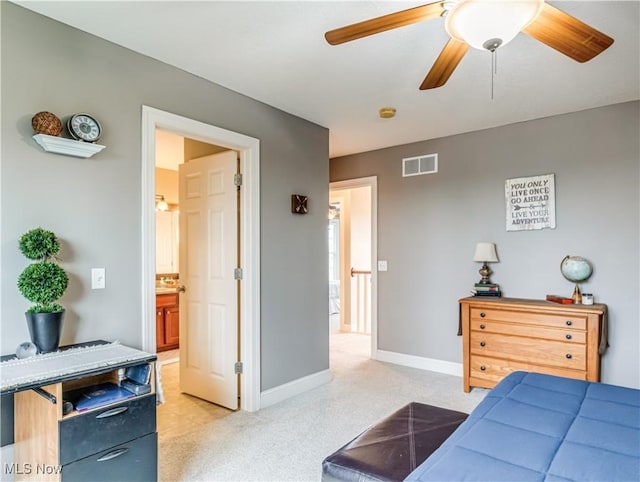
(43, 283)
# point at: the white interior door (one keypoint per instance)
(208, 258)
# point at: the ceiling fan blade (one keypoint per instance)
(567, 34)
(384, 23)
(445, 64)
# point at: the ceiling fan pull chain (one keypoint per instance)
(492, 46)
(494, 69)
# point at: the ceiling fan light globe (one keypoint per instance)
(476, 21)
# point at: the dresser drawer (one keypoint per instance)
(570, 320)
(92, 432)
(134, 461)
(493, 370)
(542, 352)
(535, 331)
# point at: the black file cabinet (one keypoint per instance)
(112, 442)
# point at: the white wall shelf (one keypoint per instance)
(68, 147)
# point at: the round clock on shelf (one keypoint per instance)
(84, 127)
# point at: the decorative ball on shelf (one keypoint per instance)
(46, 123)
(26, 350)
(576, 269)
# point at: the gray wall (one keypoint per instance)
(595, 157)
(94, 205)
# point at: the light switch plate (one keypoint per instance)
(97, 279)
(382, 265)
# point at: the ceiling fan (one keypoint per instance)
(486, 25)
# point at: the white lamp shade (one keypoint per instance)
(476, 21)
(485, 253)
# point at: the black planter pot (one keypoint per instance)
(45, 330)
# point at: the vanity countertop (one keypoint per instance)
(166, 290)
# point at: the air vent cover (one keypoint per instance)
(416, 166)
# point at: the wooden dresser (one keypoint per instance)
(502, 335)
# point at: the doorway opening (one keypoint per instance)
(352, 233)
(247, 149)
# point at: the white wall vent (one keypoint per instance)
(416, 166)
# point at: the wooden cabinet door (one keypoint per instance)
(167, 321)
(172, 325)
(160, 328)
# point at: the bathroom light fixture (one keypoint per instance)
(161, 204)
(489, 24)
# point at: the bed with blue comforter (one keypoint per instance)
(541, 427)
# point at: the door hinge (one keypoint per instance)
(237, 368)
(237, 273)
(237, 179)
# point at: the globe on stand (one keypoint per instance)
(576, 269)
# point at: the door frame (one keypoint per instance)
(372, 182)
(249, 150)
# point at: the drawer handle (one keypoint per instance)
(113, 455)
(568, 355)
(482, 327)
(568, 337)
(483, 368)
(482, 343)
(113, 412)
(482, 315)
(569, 322)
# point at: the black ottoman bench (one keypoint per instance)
(393, 448)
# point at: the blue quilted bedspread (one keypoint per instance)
(541, 427)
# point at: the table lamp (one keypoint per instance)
(485, 253)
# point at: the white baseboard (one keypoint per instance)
(295, 387)
(431, 364)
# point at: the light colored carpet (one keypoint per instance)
(289, 440)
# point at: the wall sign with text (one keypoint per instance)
(531, 202)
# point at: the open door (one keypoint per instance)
(208, 257)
